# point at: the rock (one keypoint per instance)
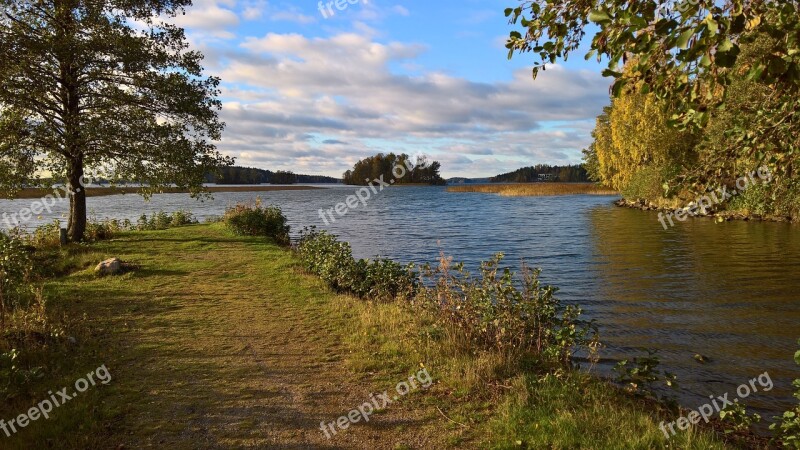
(111, 266)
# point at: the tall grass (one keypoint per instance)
(536, 189)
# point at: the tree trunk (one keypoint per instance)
(76, 226)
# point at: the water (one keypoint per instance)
(726, 291)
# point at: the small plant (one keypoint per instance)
(641, 374)
(735, 418)
(787, 427)
(257, 220)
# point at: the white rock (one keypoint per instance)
(111, 266)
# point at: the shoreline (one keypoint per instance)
(722, 216)
(535, 189)
(34, 193)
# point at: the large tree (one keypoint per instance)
(103, 87)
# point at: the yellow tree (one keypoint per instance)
(637, 149)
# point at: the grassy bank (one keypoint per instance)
(106, 191)
(218, 340)
(535, 189)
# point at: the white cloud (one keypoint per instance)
(209, 18)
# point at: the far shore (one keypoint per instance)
(535, 189)
(106, 191)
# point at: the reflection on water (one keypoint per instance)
(726, 291)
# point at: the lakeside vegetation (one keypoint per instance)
(500, 352)
(536, 189)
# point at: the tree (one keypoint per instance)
(685, 54)
(84, 90)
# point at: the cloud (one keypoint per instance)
(320, 104)
(209, 18)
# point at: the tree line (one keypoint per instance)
(250, 175)
(382, 166)
(543, 172)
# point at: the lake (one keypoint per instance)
(728, 291)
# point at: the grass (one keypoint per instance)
(106, 191)
(536, 189)
(221, 341)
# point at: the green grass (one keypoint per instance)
(221, 341)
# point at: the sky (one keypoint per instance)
(314, 92)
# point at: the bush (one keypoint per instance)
(15, 272)
(255, 220)
(323, 255)
(491, 312)
(162, 220)
(44, 236)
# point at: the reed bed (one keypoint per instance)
(536, 189)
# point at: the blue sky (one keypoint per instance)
(314, 94)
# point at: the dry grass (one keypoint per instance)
(536, 189)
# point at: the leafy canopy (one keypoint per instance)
(683, 52)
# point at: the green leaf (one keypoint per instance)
(616, 90)
(683, 39)
(711, 24)
(797, 357)
(611, 73)
(598, 16)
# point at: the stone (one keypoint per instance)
(111, 266)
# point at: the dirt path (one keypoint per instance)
(224, 344)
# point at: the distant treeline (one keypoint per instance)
(543, 172)
(249, 175)
(370, 169)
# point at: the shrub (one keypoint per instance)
(102, 230)
(322, 254)
(162, 220)
(257, 220)
(44, 236)
(496, 311)
(15, 272)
